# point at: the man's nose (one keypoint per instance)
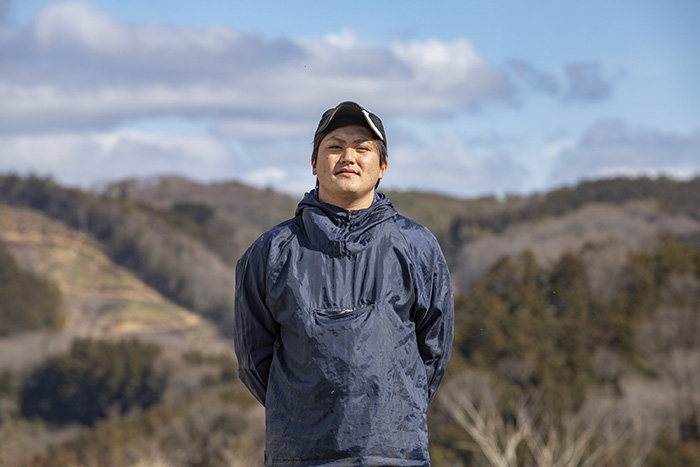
(348, 155)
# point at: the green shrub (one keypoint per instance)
(27, 303)
(95, 379)
(540, 327)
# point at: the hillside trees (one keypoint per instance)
(226, 216)
(525, 321)
(27, 303)
(166, 258)
(549, 343)
(95, 379)
(673, 197)
(593, 350)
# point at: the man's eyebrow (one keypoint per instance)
(356, 141)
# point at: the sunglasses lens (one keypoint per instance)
(325, 120)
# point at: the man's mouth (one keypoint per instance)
(346, 171)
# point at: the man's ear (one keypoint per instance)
(382, 169)
(313, 165)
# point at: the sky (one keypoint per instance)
(477, 98)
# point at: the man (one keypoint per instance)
(344, 313)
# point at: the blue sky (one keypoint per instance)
(477, 98)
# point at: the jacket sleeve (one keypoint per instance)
(254, 328)
(434, 315)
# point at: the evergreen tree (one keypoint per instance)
(95, 379)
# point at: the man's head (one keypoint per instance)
(349, 156)
(350, 113)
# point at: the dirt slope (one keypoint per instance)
(99, 298)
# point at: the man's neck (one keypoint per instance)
(349, 204)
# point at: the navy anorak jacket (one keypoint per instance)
(343, 327)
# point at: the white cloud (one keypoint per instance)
(77, 24)
(451, 167)
(75, 79)
(581, 81)
(82, 158)
(450, 74)
(533, 78)
(346, 39)
(614, 148)
(587, 82)
(438, 63)
(254, 130)
(75, 67)
(51, 107)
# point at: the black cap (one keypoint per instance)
(350, 113)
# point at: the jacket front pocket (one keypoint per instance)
(344, 341)
(340, 315)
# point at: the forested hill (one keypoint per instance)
(578, 316)
(183, 238)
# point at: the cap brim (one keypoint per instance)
(351, 112)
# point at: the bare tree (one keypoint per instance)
(597, 434)
(582, 439)
(212, 435)
(471, 402)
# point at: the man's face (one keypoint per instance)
(348, 167)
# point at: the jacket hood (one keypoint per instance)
(338, 231)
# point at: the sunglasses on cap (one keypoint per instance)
(352, 113)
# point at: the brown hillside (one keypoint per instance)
(100, 299)
(239, 213)
(630, 225)
(474, 233)
(596, 331)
